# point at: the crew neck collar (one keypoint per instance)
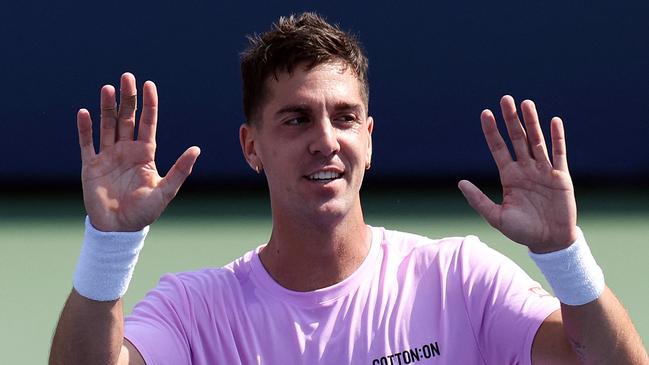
(319, 296)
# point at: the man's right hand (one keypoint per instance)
(122, 189)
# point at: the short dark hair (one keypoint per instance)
(303, 39)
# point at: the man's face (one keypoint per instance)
(313, 141)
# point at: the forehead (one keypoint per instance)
(323, 85)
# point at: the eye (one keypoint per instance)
(347, 119)
(296, 121)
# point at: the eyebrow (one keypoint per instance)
(357, 108)
(304, 109)
(293, 109)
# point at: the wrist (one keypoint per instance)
(557, 243)
(106, 262)
(110, 224)
(572, 272)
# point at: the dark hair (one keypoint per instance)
(304, 39)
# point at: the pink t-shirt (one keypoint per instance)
(412, 301)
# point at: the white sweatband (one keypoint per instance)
(572, 272)
(106, 262)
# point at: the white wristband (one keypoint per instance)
(106, 262)
(572, 272)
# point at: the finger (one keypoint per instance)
(559, 154)
(84, 126)
(171, 183)
(149, 117)
(108, 117)
(489, 210)
(494, 140)
(534, 133)
(514, 128)
(127, 107)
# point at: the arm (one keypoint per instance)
(539, 211)
(91, 332)
(599, 332)
(122, 192)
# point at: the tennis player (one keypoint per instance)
(327, 288)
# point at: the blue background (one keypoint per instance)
(433, 67)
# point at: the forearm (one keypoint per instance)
(91, 327)
(601, 332)
(593, 321)
(88, 332)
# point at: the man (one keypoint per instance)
(328, 288)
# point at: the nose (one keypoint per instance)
(324, 139)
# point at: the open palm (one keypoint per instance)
(121, 186)
(538, 207)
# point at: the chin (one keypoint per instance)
(334, 210)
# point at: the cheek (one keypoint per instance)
(269, 154)
(280, 161)
(356, 145)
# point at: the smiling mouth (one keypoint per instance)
(324, 176)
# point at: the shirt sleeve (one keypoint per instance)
(505, 306)
(157, 325)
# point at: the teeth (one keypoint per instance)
(324, 175)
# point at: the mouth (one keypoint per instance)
(324, 176)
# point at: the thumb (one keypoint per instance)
(176, 176)
(489, 210)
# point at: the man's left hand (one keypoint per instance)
(538, 208)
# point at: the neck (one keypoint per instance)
(303, 256)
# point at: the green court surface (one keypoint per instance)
(40, 236)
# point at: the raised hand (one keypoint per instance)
(538, 207)
(122, 189)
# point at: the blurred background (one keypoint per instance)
(434, 66)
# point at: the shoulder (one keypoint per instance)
(446, 256)
(208, 282)
(404, 243)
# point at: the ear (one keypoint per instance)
(248, 146)
(370, 128)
